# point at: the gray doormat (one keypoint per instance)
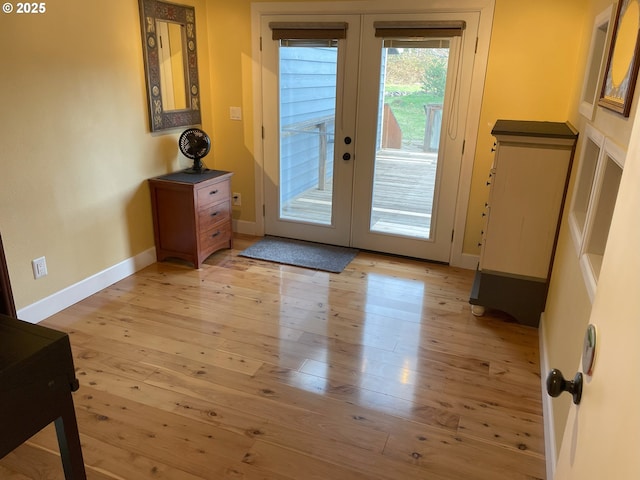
(318, 256)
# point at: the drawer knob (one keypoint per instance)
(215, 234)
(213, 192)
(214, 214)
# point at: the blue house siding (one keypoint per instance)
(307, 100)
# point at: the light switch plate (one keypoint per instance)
(235, 113)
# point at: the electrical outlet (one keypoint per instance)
(236, 199)
(39, 266)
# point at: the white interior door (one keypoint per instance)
(602, 435)
(364, 135)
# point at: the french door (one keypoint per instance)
(364, 120)
(309, 88)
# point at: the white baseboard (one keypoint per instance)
(465, 260)
(38, 311)
(547, 410)
(246, 228)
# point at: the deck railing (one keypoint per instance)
(316, 126)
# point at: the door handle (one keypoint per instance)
(556, 384)
(346, 156)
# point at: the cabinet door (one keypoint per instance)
(526, 196)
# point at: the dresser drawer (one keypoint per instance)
(213, 193)
(214, 238)
(211, 215)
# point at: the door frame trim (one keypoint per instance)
(484, 7)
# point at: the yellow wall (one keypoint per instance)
(76, 148)
(531, 75)
(231, 86)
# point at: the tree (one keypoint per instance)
(435, 72)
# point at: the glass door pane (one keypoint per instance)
(412, 88)
(308, 81)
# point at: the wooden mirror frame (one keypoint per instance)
(159, 118)
(619, 97)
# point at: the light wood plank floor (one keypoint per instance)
(251, 370)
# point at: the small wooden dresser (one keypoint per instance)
(191, 214)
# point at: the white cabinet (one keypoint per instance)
(528, 183)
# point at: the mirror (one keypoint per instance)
(171, 64)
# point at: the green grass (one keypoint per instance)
(404, 88)
(410, 114)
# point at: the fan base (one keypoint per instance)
(197, 168)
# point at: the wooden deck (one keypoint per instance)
(402, 199)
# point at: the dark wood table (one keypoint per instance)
(36, 380)
(7, 306)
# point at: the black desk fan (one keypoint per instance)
(195, 144)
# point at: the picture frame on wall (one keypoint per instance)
(621, 72)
